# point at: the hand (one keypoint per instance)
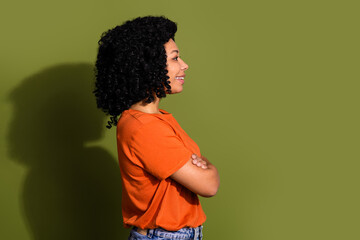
(198, 161)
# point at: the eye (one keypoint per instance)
(175, 58)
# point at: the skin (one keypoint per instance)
(198, 161)
(176, 67)
(198, 174)
(201, 180)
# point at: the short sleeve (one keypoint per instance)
(158, 149)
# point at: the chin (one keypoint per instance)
(177, 90)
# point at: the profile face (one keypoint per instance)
(176, 67)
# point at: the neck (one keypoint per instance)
(152, 107)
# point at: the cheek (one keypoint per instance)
(173, 69)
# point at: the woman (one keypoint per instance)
(162, 169)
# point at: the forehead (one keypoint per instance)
(170, 46)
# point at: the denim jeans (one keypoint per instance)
(186, 233)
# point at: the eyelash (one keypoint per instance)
(176, 58)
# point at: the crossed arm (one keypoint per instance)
(199, 176)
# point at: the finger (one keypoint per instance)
(198, 161)
(200, 158)
(203, 162)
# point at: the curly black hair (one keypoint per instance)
(131, 64)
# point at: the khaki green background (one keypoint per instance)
(271, 97)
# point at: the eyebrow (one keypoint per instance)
(174, 51)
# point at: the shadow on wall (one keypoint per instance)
(70, 191)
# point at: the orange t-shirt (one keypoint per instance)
(151, 147)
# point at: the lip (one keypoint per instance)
(180, 80)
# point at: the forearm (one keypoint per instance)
(214, 176)
(210, 176)
(208, 180)
(202, 181)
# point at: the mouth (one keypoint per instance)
(180, 79)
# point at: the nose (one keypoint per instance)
(184, 66)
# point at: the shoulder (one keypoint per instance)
(152, 127)
(132, 125)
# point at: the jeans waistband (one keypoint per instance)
(183, 233)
